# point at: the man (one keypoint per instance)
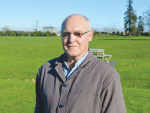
(78, 82)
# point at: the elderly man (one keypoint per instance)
(78, 82)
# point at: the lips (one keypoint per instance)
(71, 46)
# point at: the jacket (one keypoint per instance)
(93, 88)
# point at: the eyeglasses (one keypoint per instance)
(78, 35)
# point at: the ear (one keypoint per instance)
(91, 35)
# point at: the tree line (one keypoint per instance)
(18, 33)
(96, 33)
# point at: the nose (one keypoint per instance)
(71, 38)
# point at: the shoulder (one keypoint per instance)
(103, 70)
(98, 66)
(50, 65)
(97, 63)
(101, 65)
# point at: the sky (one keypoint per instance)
(21, 15)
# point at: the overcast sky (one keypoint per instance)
(22, 14)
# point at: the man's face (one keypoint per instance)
(76, 46)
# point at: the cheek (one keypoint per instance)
(83, 42)
(64, 42)
(80, 42)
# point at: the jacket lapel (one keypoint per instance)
(59, 68)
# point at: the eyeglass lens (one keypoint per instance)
(66, 34)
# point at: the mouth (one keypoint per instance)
(71, 46)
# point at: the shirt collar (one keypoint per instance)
(78, 63)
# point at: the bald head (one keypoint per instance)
(76, 17)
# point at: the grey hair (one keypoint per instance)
(86, 20)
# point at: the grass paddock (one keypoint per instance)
(21, 57)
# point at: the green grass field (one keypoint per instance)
(21, 57)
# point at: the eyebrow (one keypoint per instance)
(74, 31)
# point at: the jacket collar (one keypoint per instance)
(59, 67)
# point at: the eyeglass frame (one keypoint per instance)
(81, 34)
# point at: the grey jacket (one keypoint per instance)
(93, 88)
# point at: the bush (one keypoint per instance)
(48, 33)
(1, 33)
(96, 33)
(104, 33)
(53, 34)
(145, 34)
(121, 33)
(118, 33)
(139, 34)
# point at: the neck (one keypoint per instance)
(71, 61)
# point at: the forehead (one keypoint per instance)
(75, 23)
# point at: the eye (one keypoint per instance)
(68, 33)
(77, 34)
(64, 34)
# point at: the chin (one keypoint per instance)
(72, 54)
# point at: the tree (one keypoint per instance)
(32, 34)
(5, 29)
(40, 33)
(48, 33)
(25, 34)
(53, 34)
(14, 33)
(8, 33)
(148, 19)
(121, 33)
(113, 33)
(96, 32)
(1, 33)
(36, 33)
(20, 34)
(130, 19)
(140, 27)
(118, 33)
